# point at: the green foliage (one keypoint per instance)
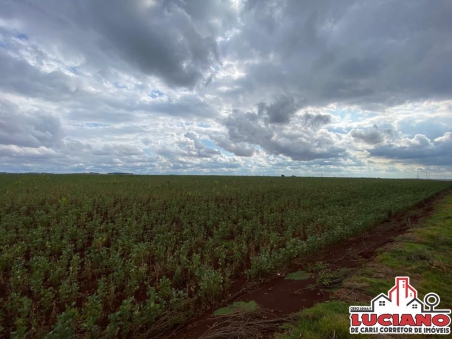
(324, 320)
(239, 306)
(210, 284)
(65, 325)
(299, 275)
(423, 254)
(99, 256)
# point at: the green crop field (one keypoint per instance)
(96, 256)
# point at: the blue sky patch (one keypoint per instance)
(22, 36)
(94, 124)
(203, 125)
(120, 85)
(156, 94)
(340, 130)
(208, 143)
(147, 151)
(226, 153)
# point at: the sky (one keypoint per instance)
(238, 87)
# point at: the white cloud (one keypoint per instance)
(225, 86)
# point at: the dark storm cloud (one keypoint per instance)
(370, 136)
(160, 40)
(139, 69)
(316, 120)
(186, 106)
(209, 17)
(247, 127)
(418, 149)
(280, 111)
(29, 129)
(18, 76)
(362, 52)
(240, 149)
(353, 52)
(302, 141)
(157, 37)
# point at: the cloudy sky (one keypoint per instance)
(350, 88)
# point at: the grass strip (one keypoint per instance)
(424, 254)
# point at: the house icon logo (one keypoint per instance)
(400, 312)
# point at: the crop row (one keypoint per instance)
(114, 256)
